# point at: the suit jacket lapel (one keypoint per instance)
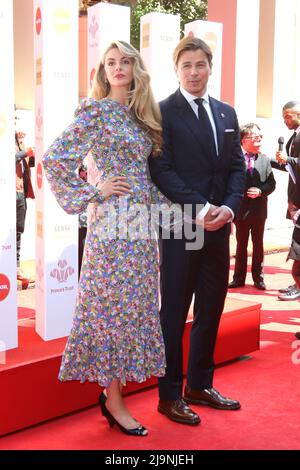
(187, 115)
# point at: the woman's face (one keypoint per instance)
(118, 69)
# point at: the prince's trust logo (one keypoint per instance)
(93, 27)
(62, 272)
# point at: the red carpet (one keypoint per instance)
(24, 312)
(266, 383)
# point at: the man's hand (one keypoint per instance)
(218, 217)
(208, 217)
(281, 157)
(253, 192)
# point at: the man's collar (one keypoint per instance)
(252, 155)
(191, 98)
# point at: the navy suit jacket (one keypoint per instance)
(185, 172)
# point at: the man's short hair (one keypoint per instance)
(246, 129)
(291, 105)
(192, 44)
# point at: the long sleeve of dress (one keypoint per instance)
(66, 154)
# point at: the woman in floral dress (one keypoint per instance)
(116, 335)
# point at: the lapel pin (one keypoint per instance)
(222, 115)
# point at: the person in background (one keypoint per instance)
(25, 159)
(291, 115)
(252, 214)
(116, 335)
(82, 222)
(287, 161)
(201, 165)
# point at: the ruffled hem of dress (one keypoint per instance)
(125, 378)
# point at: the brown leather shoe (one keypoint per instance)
(179, 411)
(210, 397)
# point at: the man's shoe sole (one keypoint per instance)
(177, 420)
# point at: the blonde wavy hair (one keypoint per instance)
(141, 100)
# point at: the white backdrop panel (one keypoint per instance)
(106, 23)
(56, 77)
(8, 277)
(160, 34)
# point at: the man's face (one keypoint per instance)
(193, 71)
(291, 118)
(251, 142)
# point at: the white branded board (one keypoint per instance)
(56, 88)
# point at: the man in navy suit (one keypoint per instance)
(201, 165)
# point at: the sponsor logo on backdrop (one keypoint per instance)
(39, 276)
(38, 21)
(93, 31)
(59, 74)
(166, 38)
(92, 74)
(62, 272)
(39, 120)
(61, 20)
(3, 125)
(4, 286)
(39, 224)
(39, 71)
(211, 39)
(6, 247)
(40, 271)
(39, 175)
(62, 232)
(62, 275)
(145, 35)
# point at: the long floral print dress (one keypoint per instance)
(116, 331)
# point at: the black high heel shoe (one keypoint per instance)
(139, 431)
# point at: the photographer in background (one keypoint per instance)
(24, 160)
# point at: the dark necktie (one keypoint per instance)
(205, 122)
(249, 162)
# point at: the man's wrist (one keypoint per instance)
(231, 213)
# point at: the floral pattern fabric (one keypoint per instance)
(116, 331)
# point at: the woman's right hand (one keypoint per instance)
(115, 185)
